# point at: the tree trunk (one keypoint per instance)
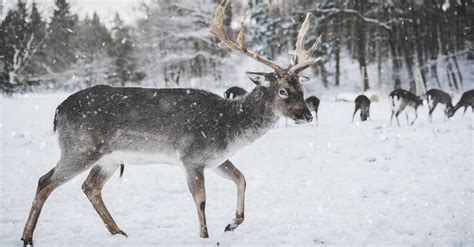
(404, 39)
(434, 72)
(323, 73)
(361, 44)
(418, 46)
(458, 72)
(395, 61)
(337, 51)
(433, 42)
(379, 61)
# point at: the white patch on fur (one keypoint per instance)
(395, 103)
(141, 158)
(430, 101)
(108, 165)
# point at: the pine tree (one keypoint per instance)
(270, 31)
(177, 48)
(15, 39)
(59, 43)
(36, 28)
(122, 51)
(19, 44)
(93, 65)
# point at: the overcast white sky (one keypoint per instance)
(128, 9)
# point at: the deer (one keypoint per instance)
(435, 97)
(234, 92)
(313, 104)
(467, 99)
(362, 103)
(102, 128)
(400, 99)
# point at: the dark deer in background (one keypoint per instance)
(467, 99)
(400, 99)
(435, 97)
(362, 103)
(234, 92)
(104, 127)
(313, 104)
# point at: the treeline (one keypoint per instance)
(411, 43)
(64, 51)
(420, 38)
(396, 43)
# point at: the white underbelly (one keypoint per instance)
(141, 158)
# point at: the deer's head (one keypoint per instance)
(283, 84)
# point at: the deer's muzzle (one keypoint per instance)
(303, 116)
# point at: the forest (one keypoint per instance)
(413, 44)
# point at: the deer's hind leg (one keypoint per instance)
(69, 166)
(229, 171)
(93, 186)
(416, 117)
(400, 109)
(431, 109)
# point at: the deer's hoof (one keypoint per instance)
(230, 227)
(121, 233)
(27, 242)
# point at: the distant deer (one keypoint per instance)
(362, 103)
(467, 99)
(313, 104)
(400, 99)
(103, 127)
(435, 97)
(234, 92)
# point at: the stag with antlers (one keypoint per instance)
(102, 127)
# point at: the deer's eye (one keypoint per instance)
(283, 93)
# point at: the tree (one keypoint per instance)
(175, 41)
(37, 28)
(59, 47)
(22, 35)
(93, 64)
(122, 52)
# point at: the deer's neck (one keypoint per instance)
(252, 115)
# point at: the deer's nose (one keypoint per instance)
(305, 115)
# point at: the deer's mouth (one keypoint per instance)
(300, 121)
(304, 118)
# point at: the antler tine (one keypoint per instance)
(217, 29)
(300, 60)
(241, 38)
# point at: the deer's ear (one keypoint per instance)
(258, 78)
(303, 79)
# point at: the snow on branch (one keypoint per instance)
(330, 12)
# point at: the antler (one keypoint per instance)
(300, 60)
(217, 29)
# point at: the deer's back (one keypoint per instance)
(312, 103)
(190, 121)
(362, 101)
(467, 98)
(439, 95)
(408, 97)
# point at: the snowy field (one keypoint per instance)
(337, 184)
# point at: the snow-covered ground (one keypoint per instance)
(334, 184)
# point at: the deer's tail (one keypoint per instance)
(55, 121)
(122, 168)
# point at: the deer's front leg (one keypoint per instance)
(229, 171)
(195, 180)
